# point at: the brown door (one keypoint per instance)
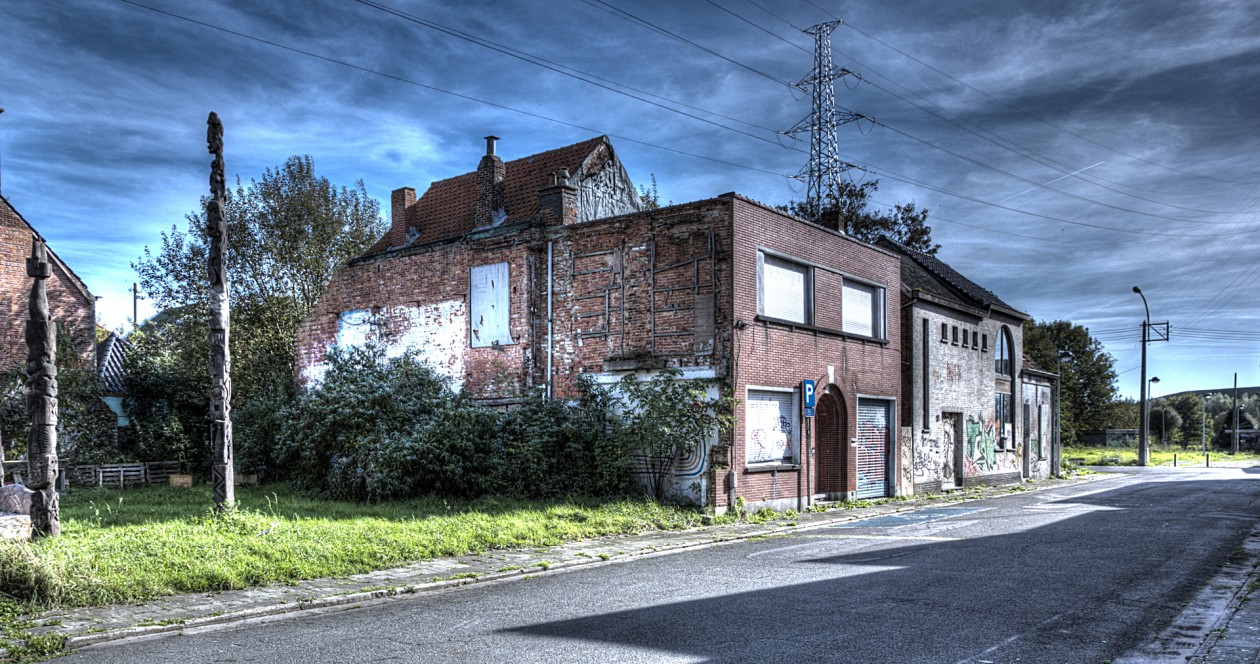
(831, 448)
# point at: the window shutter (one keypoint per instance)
(769, 423)
(859, 308)
(785, 290)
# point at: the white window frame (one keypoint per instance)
(793, 444)
(878, 312)
(808, 287)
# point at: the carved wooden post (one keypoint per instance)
(220, 357)
(41, 399)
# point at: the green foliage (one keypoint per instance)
(167, 394)
(25, 577)
(85, 425)
(289, 231)
(1087, 381)
(852, 214)
(668, 418)
(1163, 421)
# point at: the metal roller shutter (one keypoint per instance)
(872, 448)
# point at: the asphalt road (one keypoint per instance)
(1077, 575)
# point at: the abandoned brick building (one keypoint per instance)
(533, 272)
(72, 306)
(976, 411)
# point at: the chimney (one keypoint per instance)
(399, 201)
(489, 185)
(558, 200)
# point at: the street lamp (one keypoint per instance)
(1057, 453)
(1146, 324)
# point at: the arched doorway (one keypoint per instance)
(832, 453)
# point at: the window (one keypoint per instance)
(489, 304)
(954, 329)
(863, 309)
(785, 290)
(984, 342)
(1002, 418)
(966, 335)
(1002, 358)
(770, 423)
(944, 333)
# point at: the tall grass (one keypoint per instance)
(126, 546)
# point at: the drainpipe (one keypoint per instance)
(550, 322)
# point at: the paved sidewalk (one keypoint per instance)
(93, 625)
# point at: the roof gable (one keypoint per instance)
(922, 271)
(447, 209)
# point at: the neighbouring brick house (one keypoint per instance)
(72, 306)
(977, 411)
(534, 272)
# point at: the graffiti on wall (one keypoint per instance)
(981, 445)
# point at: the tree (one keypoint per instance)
(852, 214)
(1163, 420)
(1087, 381)
(1189, 409)
(287, 233)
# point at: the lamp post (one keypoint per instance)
(1146, 324)
(1150, 397)
(1064, 356)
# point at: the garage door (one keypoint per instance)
(873, 446)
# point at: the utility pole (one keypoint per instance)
(1233, 447)
(822, 174)
(135, 306)
(1143, 454)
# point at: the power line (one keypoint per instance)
(433, 88)
(1040, 119)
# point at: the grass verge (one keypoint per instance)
(133, 545)
(1159, 456)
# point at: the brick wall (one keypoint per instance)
(777, 355)
(662, 288)
(72, 306)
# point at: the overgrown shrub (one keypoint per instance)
(382, 428)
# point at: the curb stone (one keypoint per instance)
(563, 557)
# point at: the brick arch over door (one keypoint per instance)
(834, 466)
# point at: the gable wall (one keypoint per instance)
(70, 306)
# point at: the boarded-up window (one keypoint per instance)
(864, 310)
(785, 290)
(771, 426)
(490, 304)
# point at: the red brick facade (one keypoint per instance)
(68, 298)
(674, 287)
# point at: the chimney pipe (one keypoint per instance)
(490, 144)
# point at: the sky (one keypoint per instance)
(1067, 151)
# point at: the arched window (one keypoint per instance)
(1004, 389)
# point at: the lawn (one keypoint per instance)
(1160, 455)
(126, 546)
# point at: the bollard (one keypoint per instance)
(1207, 460)
(1174, 461)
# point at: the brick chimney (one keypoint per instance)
(558, 200)
(399, 201)
(489, 185)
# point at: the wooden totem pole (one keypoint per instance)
(220, 357)
(41, 399)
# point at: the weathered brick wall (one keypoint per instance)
(419, 299)
(775, 355)
(961, 379)
(70, 303)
